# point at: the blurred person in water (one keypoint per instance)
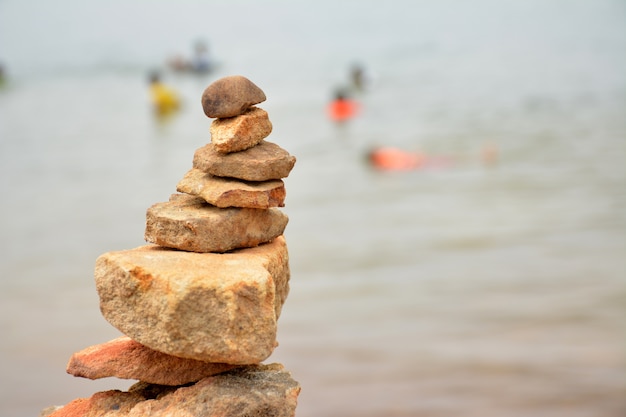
(342, 108)
(164, 99)
(360, 79)
(2, 75)
(199, 63)
(389, 158)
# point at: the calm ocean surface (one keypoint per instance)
(462, 290)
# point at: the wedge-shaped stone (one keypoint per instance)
(265, 161)
(234, 134)
(210, 307)
(127, 359)
(255, 391)
(229, 192)
(230, 96)
(189, 223)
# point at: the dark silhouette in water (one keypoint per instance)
(2, 75)
(357, 77)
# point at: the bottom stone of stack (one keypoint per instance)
(127, 359)
(253, 390)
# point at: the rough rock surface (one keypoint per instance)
(189, 223)
(211, 307)
(234, 134)
(230, 96)
(265, 161)
(228, 192)
(254, 391)
(105, 403)
(127, 359)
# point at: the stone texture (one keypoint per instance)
(211, 307)
(228, 192)
(127, 359)
(189, 223)
(234, 134)
(266, 161)
(230, 96)
(254, 391)
(105, 403)
(49, 410)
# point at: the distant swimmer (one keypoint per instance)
(200, 62)
(164, 99)
(342, 108)
(358, 77)
(388, 158)
(2, 77)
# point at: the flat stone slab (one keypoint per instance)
(127, 359)
(220, 308)
(189, 223)
(265, 161)
(229, 192)
(235, 134)
(230, 96)
(255, 391)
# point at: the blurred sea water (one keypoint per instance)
(464, 289)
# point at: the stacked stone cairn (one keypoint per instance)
(199, 304)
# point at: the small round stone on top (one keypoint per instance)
(230, 96)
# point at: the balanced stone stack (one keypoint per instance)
(199, 305)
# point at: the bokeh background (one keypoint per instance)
(470, 287)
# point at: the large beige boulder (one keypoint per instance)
(189, 223)
(228, 192)
(255, 391)
(210, 307)
(265, 161)
(127, 359)
(239, 133)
